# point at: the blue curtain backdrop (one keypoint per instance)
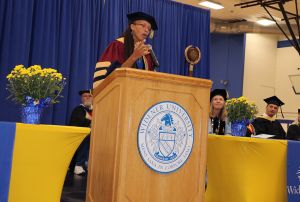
(70, 35)
(59, 33)
(227, 62)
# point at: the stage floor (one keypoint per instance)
(74, 188)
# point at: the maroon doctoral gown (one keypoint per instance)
(112, 58)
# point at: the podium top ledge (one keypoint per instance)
(155, 76)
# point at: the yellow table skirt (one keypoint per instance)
(41, 157)
(244, 169)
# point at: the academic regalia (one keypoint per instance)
(293, 132)
(216, 126)
(113, 57)
(221, 92)
(263, 125)
(268, 125)
(79, 113)
(89, 91)
(274, 100)
(142, 16)
(78, 116)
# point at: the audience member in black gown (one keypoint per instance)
(217, 122)
(267, 123)
(293, 132)
(82, 116)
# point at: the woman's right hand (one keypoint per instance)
(140, 49)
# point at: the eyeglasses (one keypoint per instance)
(144, 26)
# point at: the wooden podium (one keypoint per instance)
(117, 172)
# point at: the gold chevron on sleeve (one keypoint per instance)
(103, 64)
(100, 73)
(121, 39)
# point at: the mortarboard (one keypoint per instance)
(274, 100)
(142, 16)
(221, 92)
(85, 91)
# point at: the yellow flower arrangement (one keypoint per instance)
(240, 109)
(33, 84)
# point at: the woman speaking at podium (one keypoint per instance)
(130, 49)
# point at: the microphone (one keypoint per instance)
(153, 57)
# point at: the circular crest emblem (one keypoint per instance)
(165, 137)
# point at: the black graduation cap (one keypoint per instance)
(142, 16)
(85, 91)
(274, 100)
(221, 92)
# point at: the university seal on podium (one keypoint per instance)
(165, 137)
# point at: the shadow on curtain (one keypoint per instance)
(70, 36)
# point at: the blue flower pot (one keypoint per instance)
(31, 114)
(239, 128)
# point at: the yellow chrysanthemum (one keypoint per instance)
(240, 109)
(10, 76)
(35, 82)
(18, 67)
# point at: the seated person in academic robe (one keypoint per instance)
(82, 116)
(293, 132)
(267, 123)
(130, 50)
(217, 122)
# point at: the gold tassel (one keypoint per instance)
(151, 35)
